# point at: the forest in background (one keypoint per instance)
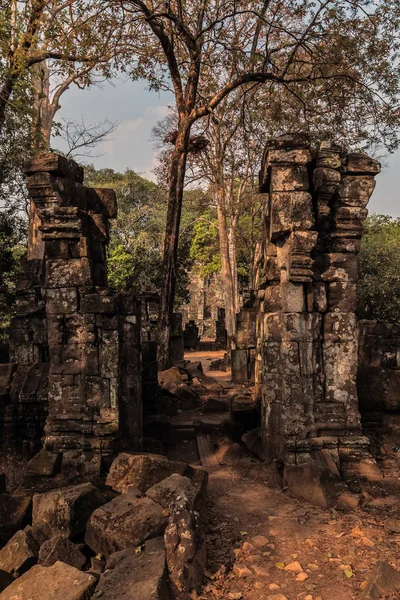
(136, 244)
(240, 72)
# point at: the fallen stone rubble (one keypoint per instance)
(142, 536)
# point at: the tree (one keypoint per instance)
(72, 39)
(205, 50)
(11, 252)
(81, 137)
(135, 249)
(379, 270)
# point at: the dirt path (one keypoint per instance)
(264, 544)
(335, 550)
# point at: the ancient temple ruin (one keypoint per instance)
(307, 333)
(75, 343)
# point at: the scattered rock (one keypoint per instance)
(260, 571)
(218, 364)
(171, 376)
(301, 577)
(137, 575)
(59, 582)
(259, 541)
(188, 399)
(273, 587)
(45, 464)
(65, 511)
(313, 482)
(188, 367)
(16, 512)
(126, 521)
(176, 490)
(277, 597)
(19, 554)
(240, 570)
(348, 500)
(5, 580)
(294, 567)
(253, 441)
(383, 580)
(141, 471)
(247, 547)
(60, 548)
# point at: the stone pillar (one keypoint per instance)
(315, 206)
(93, 332)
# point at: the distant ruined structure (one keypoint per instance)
(75, 343)
(307, 333)
(206, 300)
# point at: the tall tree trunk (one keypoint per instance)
(256, 264)
(5, 95)
(44, 109)
(233, 260)
(175, 197)
(226, 272)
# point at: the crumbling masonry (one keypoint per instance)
(315, 206)
(75, 342)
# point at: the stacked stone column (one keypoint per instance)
(315, 206)
(93, 332)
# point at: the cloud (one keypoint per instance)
(159, 111)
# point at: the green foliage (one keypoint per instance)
(204, 250)
(379, 270)
(136, 245)
(11, 253)
(134, 260)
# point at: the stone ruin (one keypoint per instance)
(204, 314)
(307, 332)
(378, 375)
(75, 343)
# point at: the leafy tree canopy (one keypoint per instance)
(11, 252)
(379, 270)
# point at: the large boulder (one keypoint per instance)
(175, 490)
(16, 512)
(186, 552)
(45, 464)
(19, 554)
(253, 441)
(141, 471)
(171, 376)
(383, 581)
(59, 582)
(60, 548)
(128, 520)
(184, 396)
(314, 482)
(65, 511)
(136, 575)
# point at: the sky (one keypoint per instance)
(137, 110)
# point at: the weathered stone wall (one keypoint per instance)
(244, 357)
(315, 206)
(378, 374)
(80, 338)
